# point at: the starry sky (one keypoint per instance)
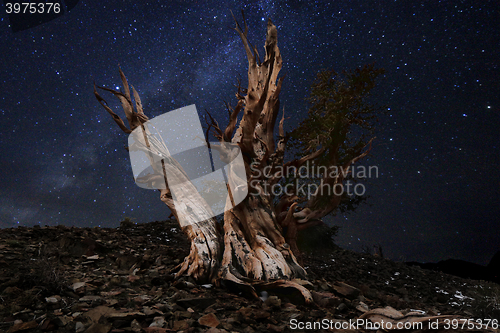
(437, 195)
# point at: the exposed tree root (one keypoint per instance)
(287, 288)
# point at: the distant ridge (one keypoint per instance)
(465, 269)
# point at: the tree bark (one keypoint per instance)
(258, 245)
(202, 263)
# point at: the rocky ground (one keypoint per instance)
(67, 279)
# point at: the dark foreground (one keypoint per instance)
(60, 279)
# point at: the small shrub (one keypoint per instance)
(44, 273)
(126, 223)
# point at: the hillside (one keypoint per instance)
(68, 279)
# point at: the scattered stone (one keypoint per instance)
(101, 311)
(78, 287)
(362, 307)
(23, 326)
(325, 299)
(53, 299)
(125, 315)
(79, 327)
(346, 290)
(275, 328)
(158, 322)
(151, 312)
(133, 278)
(98, 328)
(273, 302)
(182, 314)
(342, 307)
(120, 281)
(324, 285)
(209, 320)
(61, 321)
(142, 299)
(47, 325)
(91, 299)
(180, 325)
(136, 327)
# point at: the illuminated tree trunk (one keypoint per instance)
(258, 244)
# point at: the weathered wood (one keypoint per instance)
(258, 244)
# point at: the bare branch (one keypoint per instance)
(125, 85)
(233, 118)
(217, 132)
(244, 37)
(116, 117)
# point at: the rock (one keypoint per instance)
(248, 329)
(78, 287)
(362, 307)
(151, 312)
(61, 321)
(95, 314)
(79, 327)
(142, 299)
(47, 325)
(341, 307)
(253, 313)
(273, 302)
(324, 285)
(275, 328)
(98, 328)
(53, 299)
(325, 299)
(125, 315)
(133, 278)
(182, 314)
(23, 326)
(184, 285)
(136, 327)
(209, 320)
(180, 325)
(78, 246)
(346, 290)
(126, 261)
(158, 322)
(94, 300)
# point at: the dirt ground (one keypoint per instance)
(68, 279)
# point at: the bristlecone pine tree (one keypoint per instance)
(258, 245)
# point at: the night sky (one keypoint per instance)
(437, 149)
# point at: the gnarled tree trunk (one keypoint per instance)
(254, 248)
